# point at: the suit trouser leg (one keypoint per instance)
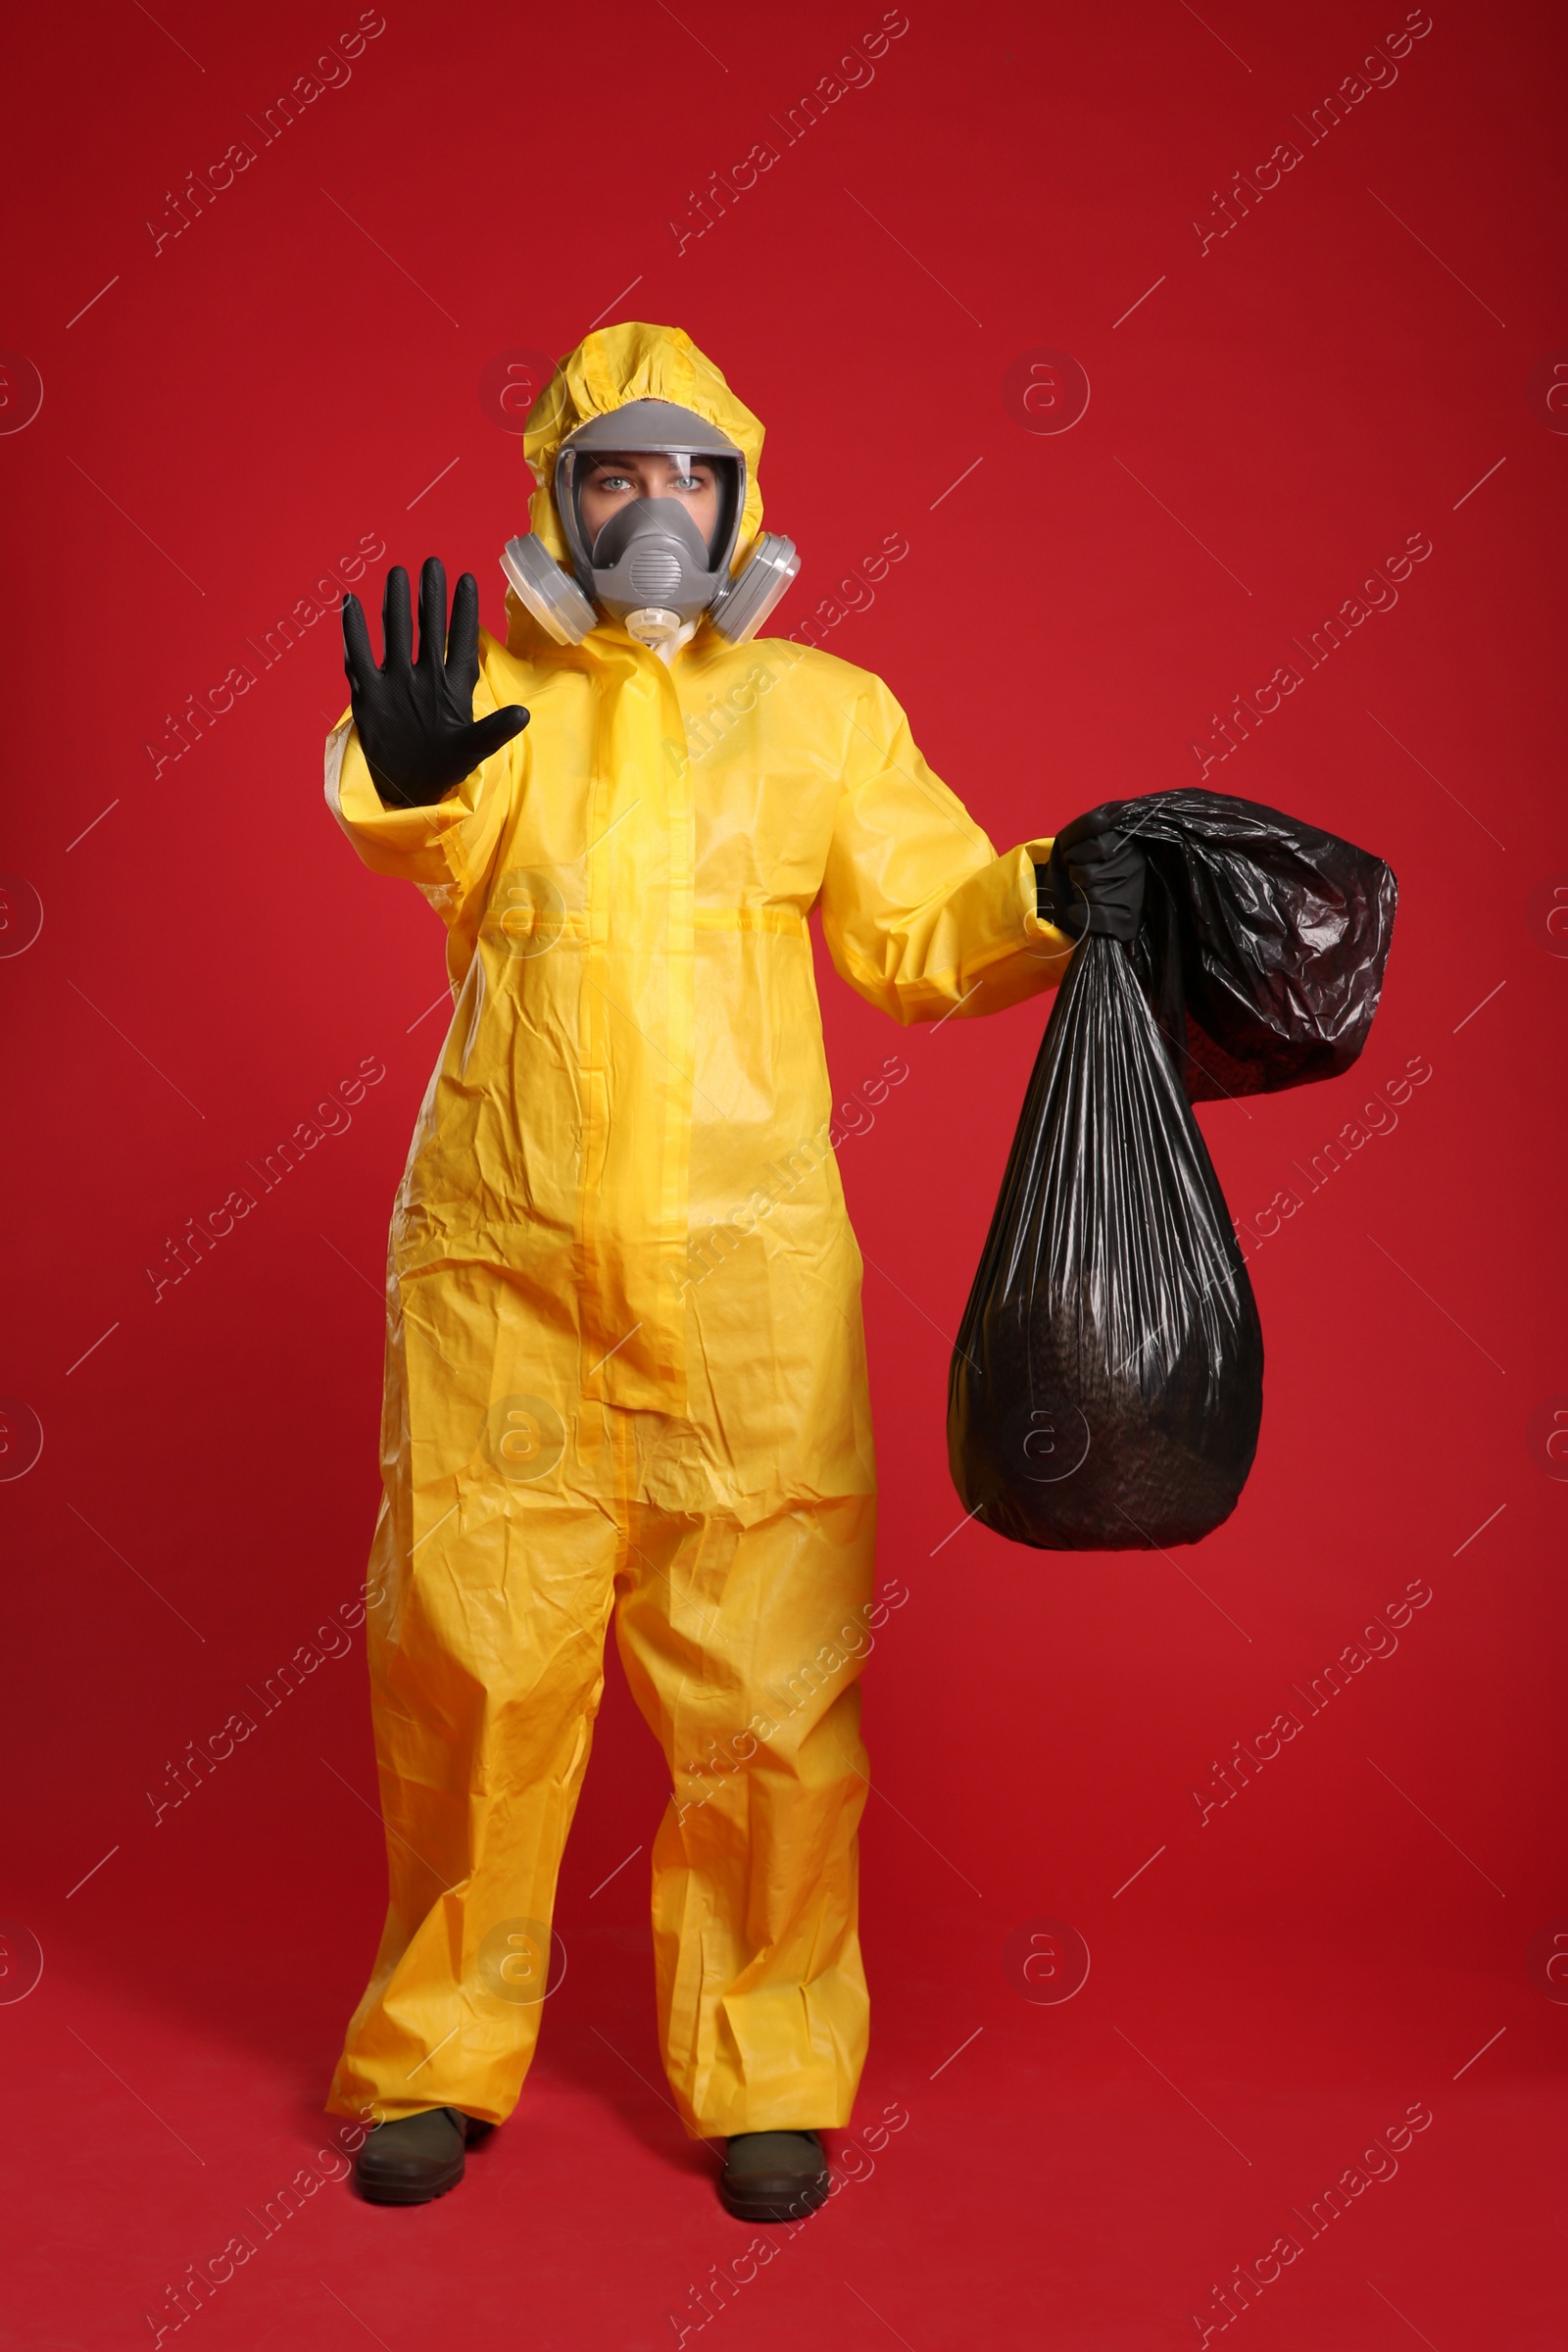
(743, 1646)
(483, 1701)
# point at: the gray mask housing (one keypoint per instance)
(649, 566)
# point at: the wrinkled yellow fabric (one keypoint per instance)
(625, 1367)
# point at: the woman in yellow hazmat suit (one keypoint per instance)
(625, 1371)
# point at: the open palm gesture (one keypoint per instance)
(415, 719)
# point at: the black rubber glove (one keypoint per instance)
(1093, 882)
(416, 719)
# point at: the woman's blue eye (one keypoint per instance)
(687, 482)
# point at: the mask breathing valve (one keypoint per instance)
(655, 626)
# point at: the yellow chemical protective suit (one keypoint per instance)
(625, 1350)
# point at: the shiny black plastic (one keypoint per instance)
(1264, 940)
(1107, 1384)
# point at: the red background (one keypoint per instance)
(1278, 415)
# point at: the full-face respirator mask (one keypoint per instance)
(649, 566)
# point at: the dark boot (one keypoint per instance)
(416, 2158)
(773, 2176)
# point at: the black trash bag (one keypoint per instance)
(1107, 1384)
(1263, 941)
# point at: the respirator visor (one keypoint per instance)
(649, 555)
